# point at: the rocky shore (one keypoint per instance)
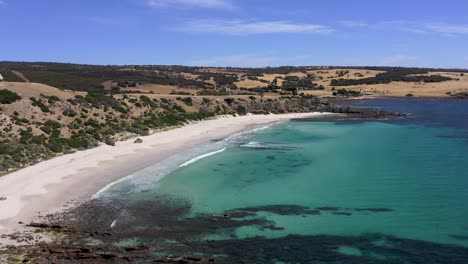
(167, 234)
(356, 114)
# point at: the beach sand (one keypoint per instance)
(56, 184)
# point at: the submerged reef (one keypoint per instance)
(164, 230)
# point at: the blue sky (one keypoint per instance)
(243, 33)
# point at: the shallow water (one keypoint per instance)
(406, 179)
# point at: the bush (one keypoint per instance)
(148, 101)
(8, 97)
(52, 124)
(344, 92)
(55, 145)
(241, 110)
(53, 99)
(206, 100)
(229, 101)
(110, 142)
(90, 99)
(187, 101)
(44, 108)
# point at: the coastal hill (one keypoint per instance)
(48, 109)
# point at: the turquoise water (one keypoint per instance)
(406, 179)
(423, 178)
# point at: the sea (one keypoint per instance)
(389, 191)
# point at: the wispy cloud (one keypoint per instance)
(353, 24)
(240, 27)
(399, 25)
(448, 28)
(236, 61)
(398, 60)
(413, 27)
(208, 4)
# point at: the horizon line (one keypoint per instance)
(237, 67)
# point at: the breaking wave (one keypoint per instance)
(201, 157)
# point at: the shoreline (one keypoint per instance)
(57, 184)
(384, 97)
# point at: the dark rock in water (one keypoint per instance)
(68, 253)
(289, 249)
(164, 219)
(138, 141)
(327, 208)
(44, 225)
(374, 210)
(459, 237)
(3, 198)
(462, 95)
(240, 214)
(300, 164)
(137, 248)
(271, 157)
(342, 213)
(279, 209)
(272, 227)
(356, 114)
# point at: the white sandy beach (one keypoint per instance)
(52, 185)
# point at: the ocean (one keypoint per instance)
(392, 191)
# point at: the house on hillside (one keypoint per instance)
(1, 78)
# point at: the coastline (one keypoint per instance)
(340, 100)
(54, 185)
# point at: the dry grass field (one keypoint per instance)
(401, 89)
(28, 90)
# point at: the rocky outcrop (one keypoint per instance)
(462, 95)
(348, 113)
(290, 105)
(54, 253)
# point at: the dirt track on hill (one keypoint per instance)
(21, 76)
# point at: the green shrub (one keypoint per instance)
(55, 145)
(90, 99)
(44, 108)
(241, 110)
(8, 97)
(187, 100)
(53, 99)
(148, 101)
(229, 101)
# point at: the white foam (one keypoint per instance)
(234, 137)
(142, 179)
(252, 144)
(259, 129)
(201, 157)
